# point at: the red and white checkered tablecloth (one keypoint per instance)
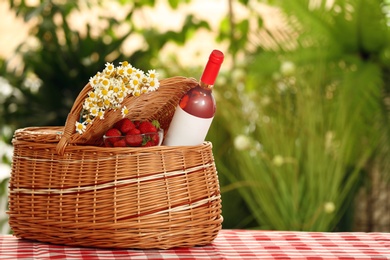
(230, 244)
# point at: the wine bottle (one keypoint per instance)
(196, 109)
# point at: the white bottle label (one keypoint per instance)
(186, 129)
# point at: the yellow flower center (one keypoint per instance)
(104, 92)
(105, 82)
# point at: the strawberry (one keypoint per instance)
(108, 144)
(136, 123)
(148, 127)
(155, 139)
(113, 134)
(133, 140)
(124, 125)
(149, 143)
(134, 131)
(120, 143)
(118, 124)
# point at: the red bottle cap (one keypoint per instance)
(211, 70)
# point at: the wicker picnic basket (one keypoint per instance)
(66, 189)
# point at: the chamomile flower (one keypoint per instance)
(101, 114)
(139, 73)
(124, 111)
(93, 81)
(152, 74)
(144, 79)
(105, 82)
(88, 120)
(137, 92)
(134, 83)
(103, 92)
(154, 84)
(110, 68)
(94, 111)
(120, 71)
(129, 70)
(107, 103)
(144, 89)
(80, 127)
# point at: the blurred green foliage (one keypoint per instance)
(309, 123)
(297, 130)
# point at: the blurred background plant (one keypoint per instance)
(302, 126)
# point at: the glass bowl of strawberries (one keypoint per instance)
(127, 133)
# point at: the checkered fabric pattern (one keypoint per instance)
(230, 244)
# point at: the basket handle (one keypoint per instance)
(72, 118)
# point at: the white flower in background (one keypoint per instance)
(281, 86)
(287, 68)
(238, 75)
(278, 160)
(265, 100)
(242, 142)
(329, 140)
(32, 82)
(329, 207)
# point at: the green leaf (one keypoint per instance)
(173, 3)
(373, 30)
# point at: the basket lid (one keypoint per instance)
(44, 134)
(160, 105)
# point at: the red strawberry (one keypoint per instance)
(118, 124)
(155, 139)
(149, 143)
(120, 143)
(124, 125)
(113, 134)
(147, 127)
(136, 123)
(134, 131)
(108, 144)
(133, 140)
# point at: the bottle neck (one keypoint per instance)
(205, 86)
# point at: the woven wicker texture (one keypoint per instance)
(160, 104)
(84, 195)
